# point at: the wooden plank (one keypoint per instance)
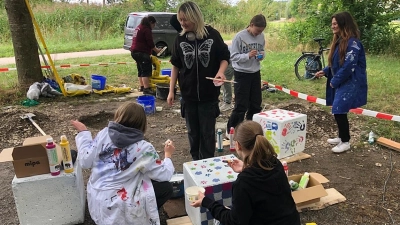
(224, 143)
(185, 220)
(389, 143)
(134, 94)
(332, 198)
(296, 157)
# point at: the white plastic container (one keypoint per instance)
(193, 192)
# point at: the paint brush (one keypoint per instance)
(217, 79)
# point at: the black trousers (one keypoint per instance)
(248, 97)
(343, 127)
(200, 122)
(163, 191)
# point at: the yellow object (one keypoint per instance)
(66, 153)
(111, 89)
(155, 76)
(311, 224)
(59, 81)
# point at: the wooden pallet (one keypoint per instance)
(296, 157)
(185, 220)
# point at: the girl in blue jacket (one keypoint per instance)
(346, 86)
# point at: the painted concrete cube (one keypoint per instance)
(285, 130)
(216, 177)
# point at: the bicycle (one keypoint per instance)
(310, 62)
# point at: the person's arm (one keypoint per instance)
(176, 64)
(236, 51)
(149, 39)
(87, 148)
(240, 213)
(350, 63)
(155, 168)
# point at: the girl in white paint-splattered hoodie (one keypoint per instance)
(129, 182)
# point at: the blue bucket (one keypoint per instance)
(148, 102)
(166, 72)
(98, 82)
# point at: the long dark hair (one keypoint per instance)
(259, 151)
(348, 29)
(148, 20)
(259, 21)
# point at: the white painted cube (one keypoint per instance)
(216, 177)
(285, 130)
(46, 199)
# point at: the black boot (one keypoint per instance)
(148, 91)
(141, 88)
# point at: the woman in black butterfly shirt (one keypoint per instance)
(198, 52)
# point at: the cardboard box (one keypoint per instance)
(285, 130)
(312, 193)
(31, 158)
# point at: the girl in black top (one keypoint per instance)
(261, 194)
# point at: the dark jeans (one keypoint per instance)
(200, 122)
(163, 191)
(343, 126)
(143, 64)
(248, 97)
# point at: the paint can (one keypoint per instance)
(177, 185)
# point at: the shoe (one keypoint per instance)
(225, 107)
(148, 91)
(341, 147)
(334, 141)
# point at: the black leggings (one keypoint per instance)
(343, 126)
(163, 191)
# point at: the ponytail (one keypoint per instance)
(148, 20)
(250, 136)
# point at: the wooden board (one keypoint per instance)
(134, 94)
(296, 157)
(185, 220)
(224, 143)
(389, 143)
(332, 198)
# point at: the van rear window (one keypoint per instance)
(133, 21)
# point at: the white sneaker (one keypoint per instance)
(341, 147)
(334, 141)
(225, 107)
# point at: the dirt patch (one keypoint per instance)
(369, 189)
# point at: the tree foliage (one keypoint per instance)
(372, 16)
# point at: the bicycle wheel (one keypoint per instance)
(307, 65)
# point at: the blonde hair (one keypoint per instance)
(257, 148)
(192, 13)
(132, 115)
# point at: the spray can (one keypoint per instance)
(304, 180)
(52, 155)
(293, 185)
(285, 168)
(231, 142)
(66, 153)
(371, 137)
(220, 146)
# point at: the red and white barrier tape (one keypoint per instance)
(321, 101)
(78, 65)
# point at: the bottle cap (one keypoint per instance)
(284, 163)
(306, 174)
(49, 140)
(64, 138)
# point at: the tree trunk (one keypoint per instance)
(24, 43)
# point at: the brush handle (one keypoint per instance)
(216, 79)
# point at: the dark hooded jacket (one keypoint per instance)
(259, 197)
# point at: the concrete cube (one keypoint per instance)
(46, 199)
(216, 177)
(285, 130)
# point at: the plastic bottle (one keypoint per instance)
(53, 159)
(220, 146)
(371, 136)
(285, 168)
(304, 180)
(231, 142)
(293, 185)
(66, 152)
